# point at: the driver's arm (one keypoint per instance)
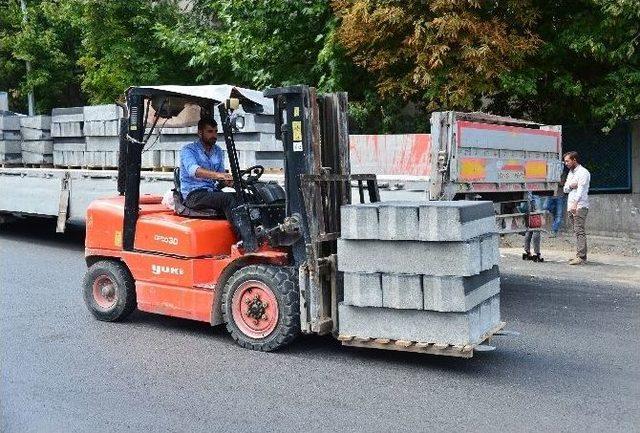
(203, 173)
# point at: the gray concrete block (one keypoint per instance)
(102, 112)
(169, 158)
(402, 291)
(184, 130)
(398, 221)
(67, 111)
(362, 289)
(36, 158)
(29, 134)
(101, 128)
(490, 250)
(10, 135)
(35, 122)
(10, 158)
(150, 159)
(10, 146)
(359, 221)
(66, 129)
(41, 146)
(413, 257)
(102, 144)
(259, 123)
(270, 160)
(10, 123)
(452, 293)
(100, 159)
(69, 144)
(68, 158)
(460, 328)
(431, 221)
(456, 220)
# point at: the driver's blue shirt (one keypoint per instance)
(193, 156)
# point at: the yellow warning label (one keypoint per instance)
(117, 238)
(296, 111)
(296, 126)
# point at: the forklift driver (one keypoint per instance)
(202, 173)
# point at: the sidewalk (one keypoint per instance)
(609, 259)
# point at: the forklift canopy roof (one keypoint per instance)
(215, 93)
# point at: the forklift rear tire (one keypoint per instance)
(261, 306)
(109, 290)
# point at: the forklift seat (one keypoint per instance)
(182, 210)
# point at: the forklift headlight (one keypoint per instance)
(238, 122)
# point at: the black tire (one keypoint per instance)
(283, 283)
(121, 286)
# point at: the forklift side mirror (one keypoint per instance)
(232, 103)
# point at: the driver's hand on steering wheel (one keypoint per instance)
(226, 180)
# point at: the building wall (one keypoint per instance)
(619, 214)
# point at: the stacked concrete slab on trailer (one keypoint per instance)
(422, 274)
(10, 140)
(37, 145)
(69, 145)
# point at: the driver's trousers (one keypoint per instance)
(200, 199)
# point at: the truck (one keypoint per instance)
(472, 156)
(469, 156)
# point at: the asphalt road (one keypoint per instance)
(574, 368)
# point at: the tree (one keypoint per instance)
(586, 70)
(554, 61)
(49, 41)
(441, 54)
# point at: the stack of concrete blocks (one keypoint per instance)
(169, 143)
(255, 143)
(102, 134)
(420, 271)
(69, 145)
(37, 145)
(10, 140)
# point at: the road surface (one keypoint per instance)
(575, 366)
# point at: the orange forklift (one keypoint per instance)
(277, 277)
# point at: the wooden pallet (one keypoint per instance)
(99, 167)
(47, 165)
(419, 347)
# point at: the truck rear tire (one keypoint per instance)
(261, 306)
(109, 290)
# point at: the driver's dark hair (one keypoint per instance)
(204, 122)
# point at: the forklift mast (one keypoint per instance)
(314, 132)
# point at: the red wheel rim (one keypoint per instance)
(104, 292)
(255, 309)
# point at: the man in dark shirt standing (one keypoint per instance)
(202, 172)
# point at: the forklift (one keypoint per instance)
(272, 278)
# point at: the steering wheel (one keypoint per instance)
(252, 174)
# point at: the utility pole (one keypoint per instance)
(32, 101)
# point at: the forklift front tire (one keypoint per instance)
(109, 290)
(261, 306)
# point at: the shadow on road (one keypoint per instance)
(43, 231)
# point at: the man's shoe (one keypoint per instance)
(553, 234)
(577, 261)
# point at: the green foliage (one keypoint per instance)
(258, 43)
(48, 40)
(120, 49)
(554, 61)
(586, 70)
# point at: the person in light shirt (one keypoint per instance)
(577, 188)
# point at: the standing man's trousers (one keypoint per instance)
(579, 220)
